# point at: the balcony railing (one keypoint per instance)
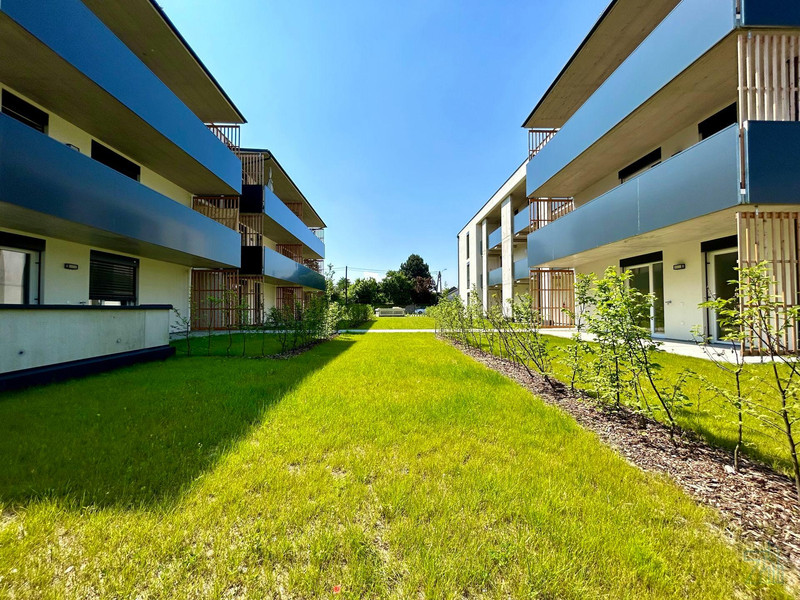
(293, 251)
(252, 168)
(223, 209)
(537, 138)
(319, 232)
(547, 210)
(227, 134)
(251, 226)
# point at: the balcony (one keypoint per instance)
(537, 138)
(522, 220)
(495, 238)
(770, 13)
(99, 85)
(496, 276)
(700, 180)
(689, 32)
(281, 223)
(279, 269)
(49, 189)
(521, 270)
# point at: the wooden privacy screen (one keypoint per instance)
(547, 210)
(772, 237)
(296, 208)
(223, 209)
(553, 293)
(251, 226)
(769, 77)
(287, 296)
(252, 168)
(223, 298)
(293, 251)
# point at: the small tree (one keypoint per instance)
(182, 327)
(578, 352)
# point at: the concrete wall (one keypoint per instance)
(159, 282)
(76, 333)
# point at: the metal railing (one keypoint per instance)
(537, 139)
(547, 210)
(319, 232)
(227, 134)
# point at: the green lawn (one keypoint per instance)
(391, 465)
(407, 322)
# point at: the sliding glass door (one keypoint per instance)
(649, 279)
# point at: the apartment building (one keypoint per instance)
(112, 132)
(668, 146)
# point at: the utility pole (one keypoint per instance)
(346, 285)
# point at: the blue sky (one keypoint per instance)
(397, 120)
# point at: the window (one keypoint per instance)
(112, 279)
(636, 167)
(718, 121)
(20, 257)
(114, 160)
(469, 282)
(647, 272)
(467, 246)
(24, 112)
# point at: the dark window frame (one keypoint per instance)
(24, 112)
(651, 159)
(114, 160)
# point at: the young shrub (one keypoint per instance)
(183, 327)
(767, 322)
(577, 354)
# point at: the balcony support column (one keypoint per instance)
(507, 254)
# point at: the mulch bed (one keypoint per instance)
(759, 503)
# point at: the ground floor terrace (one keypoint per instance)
(377, 465)
(682, 265)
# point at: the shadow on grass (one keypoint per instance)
(137, 437)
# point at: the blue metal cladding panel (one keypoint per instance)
(496, 276)
(773, 170)
(522, 220)
(775, 13)
(495, 237)
(521, 270)
(282, 267)
(40, 174)
(688, 32)
(73, 32)
(700, 180)
(276, 210)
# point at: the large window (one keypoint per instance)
(24, 112)
(20, 257)
(112, 279)
(648, 277)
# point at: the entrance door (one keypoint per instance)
(721, 271)
(649, 279)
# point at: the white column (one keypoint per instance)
(507, 253)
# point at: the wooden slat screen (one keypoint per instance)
(252, 168)
(286, 296)
(773, 237)
(546, 210)
(553, 292)
(223, 209)
(293, 251)
(251, 226)
(227, 134)
(769, 78)
(537, 139)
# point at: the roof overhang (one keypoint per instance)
(621, 28)
(144, 27)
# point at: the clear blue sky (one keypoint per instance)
(397, 120)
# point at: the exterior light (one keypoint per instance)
(679, 267)
(70, 266)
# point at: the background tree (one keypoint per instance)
(396, 288)
(418, 272)
(365, 291)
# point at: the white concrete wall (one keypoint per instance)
(507, 225)
(159, 282)
(75, 334)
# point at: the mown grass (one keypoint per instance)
(391, 465)
(253, 345)
(407, 322)
(707, 414)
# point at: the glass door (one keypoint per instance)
(19, 276)
(649, 279)
(721, 272)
